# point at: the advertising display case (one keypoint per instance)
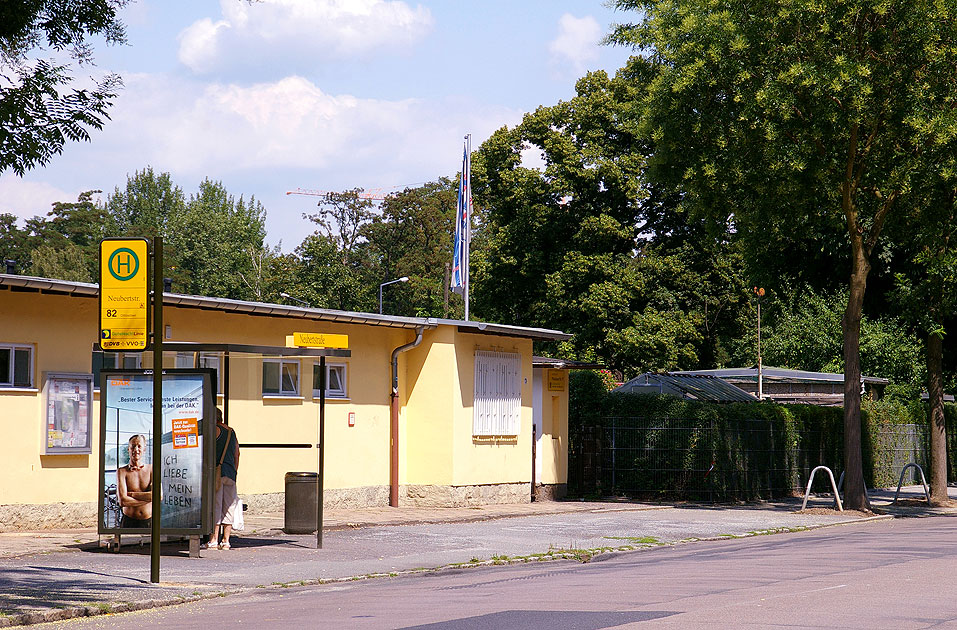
(68, 411)
(128, 476)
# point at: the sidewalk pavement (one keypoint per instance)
(51, 575)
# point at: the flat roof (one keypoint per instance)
(695, 386)
(564, 364)
(782, 374)
(88, 290)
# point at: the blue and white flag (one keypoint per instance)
(463, 231)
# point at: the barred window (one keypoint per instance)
(498, 394)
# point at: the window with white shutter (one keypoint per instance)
(498, 394)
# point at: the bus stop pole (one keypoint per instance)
(322, 448)
(156, 486)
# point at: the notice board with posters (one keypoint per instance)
(68, 411)
(128, 476)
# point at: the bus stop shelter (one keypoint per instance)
(232, 349)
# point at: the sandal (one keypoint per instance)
(224, 545)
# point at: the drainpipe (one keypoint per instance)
(394, 424)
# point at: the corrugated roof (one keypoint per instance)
(695, 387)
(782, 374)
(85, 289)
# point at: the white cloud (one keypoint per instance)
(261, 140)
(300, 32)
(199, 44)
(576, 45)
(26, 199)
(290, 123)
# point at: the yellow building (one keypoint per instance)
(467, 395)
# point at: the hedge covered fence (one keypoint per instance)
(659, 446)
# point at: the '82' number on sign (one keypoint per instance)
(111, 312)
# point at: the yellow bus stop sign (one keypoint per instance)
(124, 294)
(317, 340)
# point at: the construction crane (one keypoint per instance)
(374, 194)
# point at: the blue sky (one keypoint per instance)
(276, 95)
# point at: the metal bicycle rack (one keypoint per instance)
(923, 481)
(837, 496)
(840, 484)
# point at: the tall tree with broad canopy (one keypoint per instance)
(41, 108)
(789, 115)
(573, 223)
(412, 237)
(583, 244)
(73, 231)
(341, 217)
(210, 240)
(927, 294)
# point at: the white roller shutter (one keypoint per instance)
(498, 394)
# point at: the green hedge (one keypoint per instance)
(798, 438)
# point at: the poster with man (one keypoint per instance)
(128, 476)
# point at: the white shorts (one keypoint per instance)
(225, 502)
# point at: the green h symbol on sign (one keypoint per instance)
(124, 264)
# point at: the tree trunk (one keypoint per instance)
(855, 497)
(938, 432)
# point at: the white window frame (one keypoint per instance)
(342, 391)
(213, 361)
(209, 360)
(185, 360)
(11, 367)
(282, 392)
(120, 361)
(129, 360)
(497, 405)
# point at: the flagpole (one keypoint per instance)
(463, 227)
(468, 221)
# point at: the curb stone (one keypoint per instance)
(62, 614)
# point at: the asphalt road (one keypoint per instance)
(896, 574)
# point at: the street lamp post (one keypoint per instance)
(402, 279)
(289, 297)
(759, 291)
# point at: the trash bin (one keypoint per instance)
(300, 508)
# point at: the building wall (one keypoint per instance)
(440, 460)
(553, 447)
(499, 459)
(427, 419)
(27, 476)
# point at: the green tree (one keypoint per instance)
(412, 237)
(39, 111)
(213, 243)
(74, 230)
(324, 280)
(927, 294)
(13, 241)
(792, 115)
(341, 217)
(802, 330)
(571, 225)
(66, 261)
(146, 206)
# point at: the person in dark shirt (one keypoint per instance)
(225, 501)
